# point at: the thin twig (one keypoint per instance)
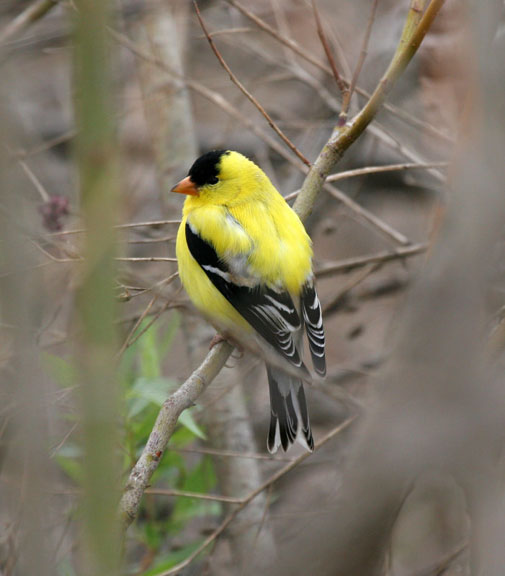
(341, 85)
(246, 92)
(233, 454)
(29, 15)
(162, 239)
(385, 168)
(58, 446)
(154, 319)
(376, 170)
(55, 258)
(365, 215)
(153, 287)
(365, 273)
(196, 495)
(119, 227)
(245, 501)
(145, 259)
(346, 100)
(385, 256)
(139, 321)
(34, 180)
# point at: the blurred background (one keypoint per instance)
(104, 107)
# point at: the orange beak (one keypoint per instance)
(185, 186)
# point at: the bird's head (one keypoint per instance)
(222, 177)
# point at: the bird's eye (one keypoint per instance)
(213, 180)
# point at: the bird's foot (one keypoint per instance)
(216, 339)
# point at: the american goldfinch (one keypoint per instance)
(246, 262)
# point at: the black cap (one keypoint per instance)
(205, 169)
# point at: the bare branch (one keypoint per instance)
(29, 15)
(346, 100)
(381, 257)
(341, 85)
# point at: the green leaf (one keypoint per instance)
(187, 420)
(147, 391)
(201, 478)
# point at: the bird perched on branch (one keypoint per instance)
(246, 262)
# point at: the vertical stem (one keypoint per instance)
(95, 310)
(25, 469)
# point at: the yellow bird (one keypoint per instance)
(246, 262)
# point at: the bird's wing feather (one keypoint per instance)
(312, 315)
(269, 311)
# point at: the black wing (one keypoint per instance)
(312, 315)
(272, 314)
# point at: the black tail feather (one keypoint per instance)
(288, 406)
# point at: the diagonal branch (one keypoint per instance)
(30, 15)
(164, 427)
(341, 84)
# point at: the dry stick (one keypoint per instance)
(385, 168)
(245, 501)
(297, 49)
(346, 100)
(378, 131)
(217, 99)
(340, 141)
(247, 94)
(364, 215)
(386, 256)
(145, 259)
(196, 495)
(34, 180)
(368, 270)
(155, 317)
(143, 290)
(376, 170)
(161, 239)
(48, 144)
(233, 454)
(341, 84)
(30, 15)
(119, 227)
